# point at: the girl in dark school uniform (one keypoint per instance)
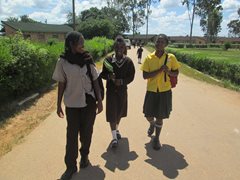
(118, 70)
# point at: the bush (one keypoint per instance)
(227, 45)
(52, 41)
(221, 70)
(26, 66)
(98, 47)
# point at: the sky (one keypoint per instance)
(169, 16)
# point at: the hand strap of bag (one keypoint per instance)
(91, 77)
(165, 62)
(89, 72)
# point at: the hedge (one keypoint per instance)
(26, 66)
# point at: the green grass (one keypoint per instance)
(231, 56)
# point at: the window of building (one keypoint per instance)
(26, 36)
(55, 36)
(41, 36)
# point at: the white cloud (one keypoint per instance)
(157, 12)
(231, 4)
(41, 3)
(168, 16)
(1, 11)
(170, 3)
(57, 15)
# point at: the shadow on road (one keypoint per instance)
(119, 157)
(90, 173)
(168, 159)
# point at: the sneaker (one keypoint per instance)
(67, 175)
(156, 144)
(84, 162)
(150, 130)
(114, 143)
(118, 135)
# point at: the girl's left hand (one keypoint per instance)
(99, 107)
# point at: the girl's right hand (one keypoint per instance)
(60, 112)
(112, 76)
(163, 68)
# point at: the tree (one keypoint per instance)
(210, 17)
(134, 11)
(234, 26)
(23, 18)
(191, 6)
(148, 12)
(26, 19)
(117, 18)
(12, 19)
(94, 27)
(94, 18)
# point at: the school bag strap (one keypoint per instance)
(173, 79)
(101, 87)
(165, 62)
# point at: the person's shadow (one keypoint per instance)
(167, 159)
(119, 157)
(89, 173)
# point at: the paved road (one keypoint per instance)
(201, 140)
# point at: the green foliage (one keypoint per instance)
(23, 18)
(107, 22)
(227, 45)
(28, 66)
(135, 12)
(178, 45)
(29, 69)
(234, 26)
(210, 17)
(98, 47)
(94, 27)
(52, 41)
(219, 69)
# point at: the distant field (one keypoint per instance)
(230, 56)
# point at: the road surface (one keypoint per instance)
(201, 140)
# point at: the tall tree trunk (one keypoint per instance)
(73, 8)
(146, 38)
(192, 20)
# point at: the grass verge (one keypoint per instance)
(193, 73)
(19, 121)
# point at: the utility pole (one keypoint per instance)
(73, 13)
(148, 7)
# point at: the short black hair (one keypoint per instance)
(119, 39)
(71, 38)
(164, 36)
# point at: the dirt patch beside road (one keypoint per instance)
(21, 124)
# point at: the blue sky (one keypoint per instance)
(168, 16)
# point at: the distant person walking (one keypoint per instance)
(158, 99)
(118, 70)
(74, 83)
(139, 53)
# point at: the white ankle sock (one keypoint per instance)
(114, 134)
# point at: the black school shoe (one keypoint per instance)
(156, 144)
(84, 162)
(118, 135)
(67, 175)
(114, 143)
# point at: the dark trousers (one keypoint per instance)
(79, 120)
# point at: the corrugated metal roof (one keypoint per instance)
(38, 27)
